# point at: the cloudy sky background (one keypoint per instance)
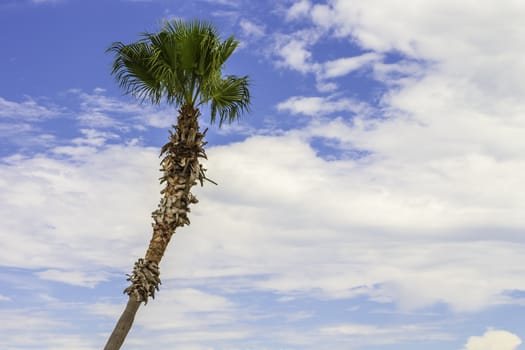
(371, 200)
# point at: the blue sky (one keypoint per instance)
(370, 201)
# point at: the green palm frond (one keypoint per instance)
(226, 49)
(230, 99)
(182, 64)
(132, 69)
(165, 65)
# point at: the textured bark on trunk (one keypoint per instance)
(181, 171)
(123, 325)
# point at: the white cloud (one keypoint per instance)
(355, 329)
(444, 28)
(28, 110)
(400, 73)
(494, 340)
(322, 16)
(24, 328)
(323, 86)
(251, 29)
(294, 51)
(65, 200)
(99, 102)
(298, 316)
(97, 110)
(446, 32)
(337, 250)
(161, 119)
(385, 334)
(76, 278)
(98, 120)
(100, 111)
(40, 2)
(436, 198)
(4, 298)
(320, 106)
(313, 226)
(298, 10)
(445, 134)
(343, 66)
(25, 320)
(311, 106)
(294, 54)
(181, 308)
(185, 316)
(191, 309)
(21, 122)
(92, 137)
(231, 3)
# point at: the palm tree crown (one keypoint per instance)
(182, 64)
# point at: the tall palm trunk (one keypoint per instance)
(181, 171)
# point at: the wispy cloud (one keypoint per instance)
(345, 65)
(386, 334)
(294, 52)
(97, 110)
(28, 110)
(251, 29)
(77, 278)
(36, 328)
(43, 2)
(230, 3)
(319, 106)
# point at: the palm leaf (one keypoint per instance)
(230, 99)
(182, 64)
(132, 69)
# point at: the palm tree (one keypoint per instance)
(181, 65)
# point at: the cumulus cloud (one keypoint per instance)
(298, 9)
(251, 29)
(444, 131)
(293, 51)
(342, 218)
(345, 253)
(57, 195)
(445, 32)
(325, 212)
(431, 216)
(494, 340)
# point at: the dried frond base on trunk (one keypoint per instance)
(181, 170)
(144, 280)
